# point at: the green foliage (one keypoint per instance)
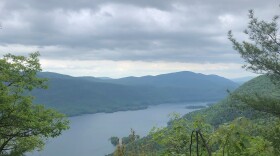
(120, 150)
(114, 140)
(173, 139)
(260, 94)
(134, 146)
(23, 125)
(262, 54)
(228, 109)
(237, 138)
(241, 137)
(176, 138)
(131, 138)
(270, 130)
(260, 102)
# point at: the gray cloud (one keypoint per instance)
(137, 30)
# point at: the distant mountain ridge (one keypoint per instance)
(172, 79)
(242, 80)
(80, 95)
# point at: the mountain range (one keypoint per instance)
(82, 95)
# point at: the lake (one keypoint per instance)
(89, 134)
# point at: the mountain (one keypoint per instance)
(80, 95)
(224, 111)
(242, 80)
(178, 79)
(51, 75)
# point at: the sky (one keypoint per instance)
(119, 38)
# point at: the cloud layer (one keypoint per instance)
(170, 31)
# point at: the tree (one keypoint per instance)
(24, 126)
(235, 138)
(262, 55)
(176, 139)
(114, 140)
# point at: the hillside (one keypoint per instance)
(225, 110)
(80, 95)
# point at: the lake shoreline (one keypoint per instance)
(146, 107)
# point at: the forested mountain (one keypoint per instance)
(79, 95)
(226, 115)
(228, 109)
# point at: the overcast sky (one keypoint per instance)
(121, 38)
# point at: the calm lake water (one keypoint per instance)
(89, 134)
